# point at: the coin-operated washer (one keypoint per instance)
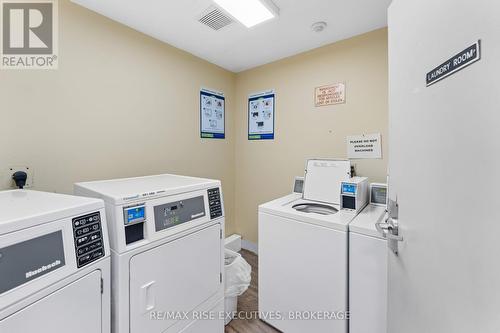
(54, 264)
(167, 242)
(303, 254)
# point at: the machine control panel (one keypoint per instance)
(354, 194)
(378, 194)
(174, 213)
(214, 203)
(87, 232)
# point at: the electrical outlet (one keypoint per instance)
(8, 183)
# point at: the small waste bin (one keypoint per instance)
(238, 277)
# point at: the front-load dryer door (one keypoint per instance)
(75, 308)
(174, 278)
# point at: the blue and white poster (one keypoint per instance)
(261, 107)
(212, 114)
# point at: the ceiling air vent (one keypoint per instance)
(214, 18)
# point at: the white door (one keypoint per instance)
(444, 168)
(173, 278)
(75, 308)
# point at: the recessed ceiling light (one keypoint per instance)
(319, 26)
(249, 12)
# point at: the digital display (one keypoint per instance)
(298, 186)
(134, 214)
(379, 195)
(349, 188)
(171, 214)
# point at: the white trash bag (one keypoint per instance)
(238, 277)
(238, 274)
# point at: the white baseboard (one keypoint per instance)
(233, 243)
(249, 246)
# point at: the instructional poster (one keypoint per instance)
(212, 114)
(261, 107)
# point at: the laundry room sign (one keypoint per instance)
(364, 146)
(463, 59)
(329, 95)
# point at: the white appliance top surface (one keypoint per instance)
(283, 207)
(364, 223)
(24, 208)
(117, 189)
(323, 178)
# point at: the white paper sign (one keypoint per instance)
(364, 146)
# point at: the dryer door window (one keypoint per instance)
(75, 308)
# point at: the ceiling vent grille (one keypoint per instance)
(214, 18)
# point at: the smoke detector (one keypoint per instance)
(319, 26)
(215, 18)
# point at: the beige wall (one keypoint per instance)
(121, 104)
(265, 169)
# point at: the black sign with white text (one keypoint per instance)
(463, 59)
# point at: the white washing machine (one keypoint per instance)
(367, 273)
(54, 264)
(167, 247)
(303, 254)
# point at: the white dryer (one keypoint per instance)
(303, 254)
(167, 242)
(367, 273)
(54, 264)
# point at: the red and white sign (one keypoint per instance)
(330, 95)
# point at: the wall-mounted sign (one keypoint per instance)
(463, 59)
(329, 95)
(364, 146)
(261, 107)
(212, 114)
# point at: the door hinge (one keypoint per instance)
(220, 277)
(102, 286)
(220, 233)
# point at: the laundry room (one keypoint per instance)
(247, 166)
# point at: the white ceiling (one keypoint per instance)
(235, 47)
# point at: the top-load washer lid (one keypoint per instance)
(310, 207)
(323, 179)
(283, 207)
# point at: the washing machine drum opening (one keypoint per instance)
(315, 208)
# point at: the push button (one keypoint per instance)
(82, 240)
(95, 236)
(84, 260)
